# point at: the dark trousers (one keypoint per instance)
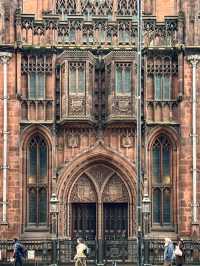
(18, 261)
(179, 264)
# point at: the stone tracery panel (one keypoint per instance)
(83, 191)
(99, 172)
(115, 191)
(127, 7)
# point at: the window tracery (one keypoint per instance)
(88, 9)
(127, 7)
(35, 69)
(66, 7)
(123, 78)
(37, 181)
(161, 70)
(162, 184)
(76, 77)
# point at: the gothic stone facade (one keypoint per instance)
(69, 68)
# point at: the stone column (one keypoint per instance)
(194, 60)
(4, 58)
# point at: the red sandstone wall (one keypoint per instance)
(165, 8)
(14, 177)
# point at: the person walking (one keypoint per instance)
(179, 252)
(81, 253)
(19, 253)
(168, 252)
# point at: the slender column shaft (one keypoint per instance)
(194, 59)
(138, 148)
(4, 60)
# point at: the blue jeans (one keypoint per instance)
(18, 261)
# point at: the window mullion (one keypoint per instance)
(36, 80)
(162, 86)
(161, 179)
(161, 221)
(161, 163)
(77, 80)
(123, 79)
(37, 184)
(44, 76)
(29, 84)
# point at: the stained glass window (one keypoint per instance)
(158, 90)
(32, 85)
(118, 80)
(127, 80)
(32, 206)
(162, 87)
(36, 85)
(42, 205)
(81, 80)
(156, 206)
(166, 206)
(161, 181)
(156, 164)
(77, 78)
(123, 79)
(166, 88)
(41, 85)
(37, 181)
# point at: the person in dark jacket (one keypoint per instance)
(19, 253)
(168, 252)
(180, 259)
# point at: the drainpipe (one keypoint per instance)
(194, 60)
(4, 58)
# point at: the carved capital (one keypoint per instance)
(5, 57)
(194, 59)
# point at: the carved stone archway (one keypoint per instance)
(100, 182)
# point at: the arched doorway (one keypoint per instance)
(98, 195)
(99, 205)
(100, 209)
(83, 201)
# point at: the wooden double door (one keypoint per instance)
(114, 221)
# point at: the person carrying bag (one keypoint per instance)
(179, 252)
(81, 253)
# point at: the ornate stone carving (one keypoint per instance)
(121, 32)
(66, 7)
(83, 191)
(105, 8)
(76, 105)
(36, 63)
(115, 191)
(88, 8)
(164, 34)
(127, 140)
(162, 65)
(73, 140)
(99, 172)
(121, 105)
(127, 7)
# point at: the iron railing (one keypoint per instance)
(61, 252)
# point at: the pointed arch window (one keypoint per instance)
(162, 181)
(77, 80)
(37, 181)
(123, 78)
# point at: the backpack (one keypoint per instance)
(22, 250)
(87, 251)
